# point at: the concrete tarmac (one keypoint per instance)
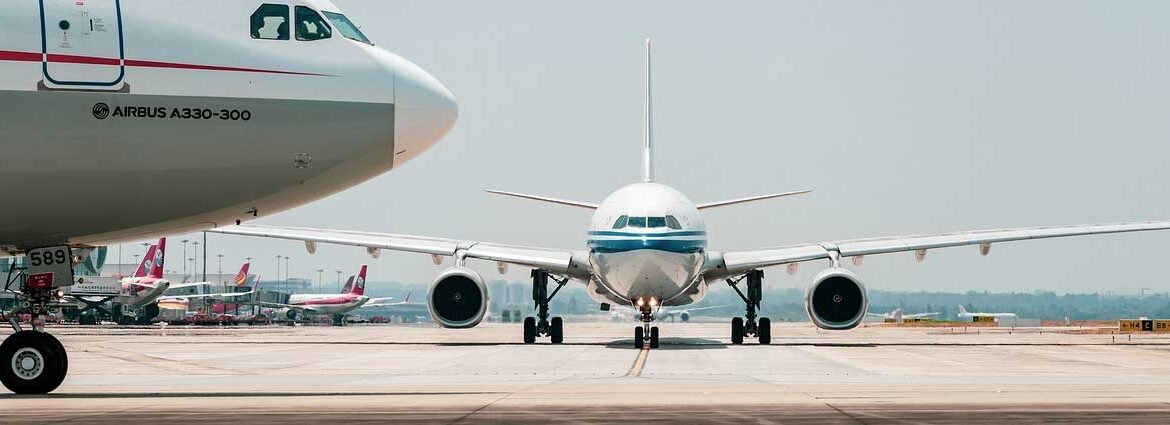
(422, 374)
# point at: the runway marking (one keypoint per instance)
(639, 363)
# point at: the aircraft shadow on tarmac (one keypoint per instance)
(673, 344)
(236, 394)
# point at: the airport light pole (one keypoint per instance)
(184, 242)
(135, 264)
(320, 277)
(286, 275)
(278, 267)
(338, 280)
(220, 271)
(195, 259)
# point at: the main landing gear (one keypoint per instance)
(541, 325)
(646, 333)
(32, 361)
(747, 325)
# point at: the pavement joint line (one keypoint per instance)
(854, 418)
(478, 409)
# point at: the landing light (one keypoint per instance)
(641, 302)
(653, 301)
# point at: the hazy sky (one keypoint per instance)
(903, 117)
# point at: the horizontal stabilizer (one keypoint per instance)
(749, 199)
(545, 199)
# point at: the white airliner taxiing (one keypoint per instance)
(250, 107)
(964, 314)
(647, 248)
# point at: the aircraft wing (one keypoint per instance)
(919, 315)
(554, 260)
(737, 262)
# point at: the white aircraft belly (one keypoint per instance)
(644, 273)
(228, 166)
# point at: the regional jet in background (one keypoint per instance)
(647, 248)
(897, 316)
(216, 111)
(335, 305)
(976, 317)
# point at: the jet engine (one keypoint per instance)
(458, 298)
(291, 314)
(836, 300)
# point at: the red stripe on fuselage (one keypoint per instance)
(6, 55)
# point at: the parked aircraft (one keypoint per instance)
(287, 102)
(898, 317)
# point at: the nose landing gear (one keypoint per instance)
(748, 325)
(645, 333)
(541, 325)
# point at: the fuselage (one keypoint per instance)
(218, 110)
(328, 303)
(647, 241)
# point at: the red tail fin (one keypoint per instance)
(156, 269)
(147, 262)
(256, 286)
(359, 283)
(242, 277)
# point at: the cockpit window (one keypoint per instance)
(310, 25)
(270, 22)
(346, 28)
(621, 222)
(655, 221)
(647, 222)
(672, 222)
(637, 221)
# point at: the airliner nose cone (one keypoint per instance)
(424, 111)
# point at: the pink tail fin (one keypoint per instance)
(359, 283)
(147, 262)
(242, 277)
(156, 269)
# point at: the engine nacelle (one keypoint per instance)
(836, 300)
(458, 298)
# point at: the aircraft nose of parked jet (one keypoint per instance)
(424, 111)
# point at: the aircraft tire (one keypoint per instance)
(737, 330)
(557, 330)
(639, 340)
(765, 331)
(529, 330)
(32, 362)
(654, 337)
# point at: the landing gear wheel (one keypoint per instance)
(639, 338)
(87, 319)
(529, 330)
(557, 330)
(654, 337)
(737, 330)
(764, 333)
(32, 362)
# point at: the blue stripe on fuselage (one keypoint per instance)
(670, 245)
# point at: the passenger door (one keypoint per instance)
(82, 43)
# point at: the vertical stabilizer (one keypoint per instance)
(147, 259)
(348, 285)
(359, 283)
(648, 125)
(156, 269)
(962, 310)
(242, 277)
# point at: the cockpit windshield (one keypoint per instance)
(346, 28)
(647, 222)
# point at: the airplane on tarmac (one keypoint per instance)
(898, 317)
(647, 247)
(286, 102)
(337, 305)
(964, 314)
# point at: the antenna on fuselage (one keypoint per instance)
(647, 126)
